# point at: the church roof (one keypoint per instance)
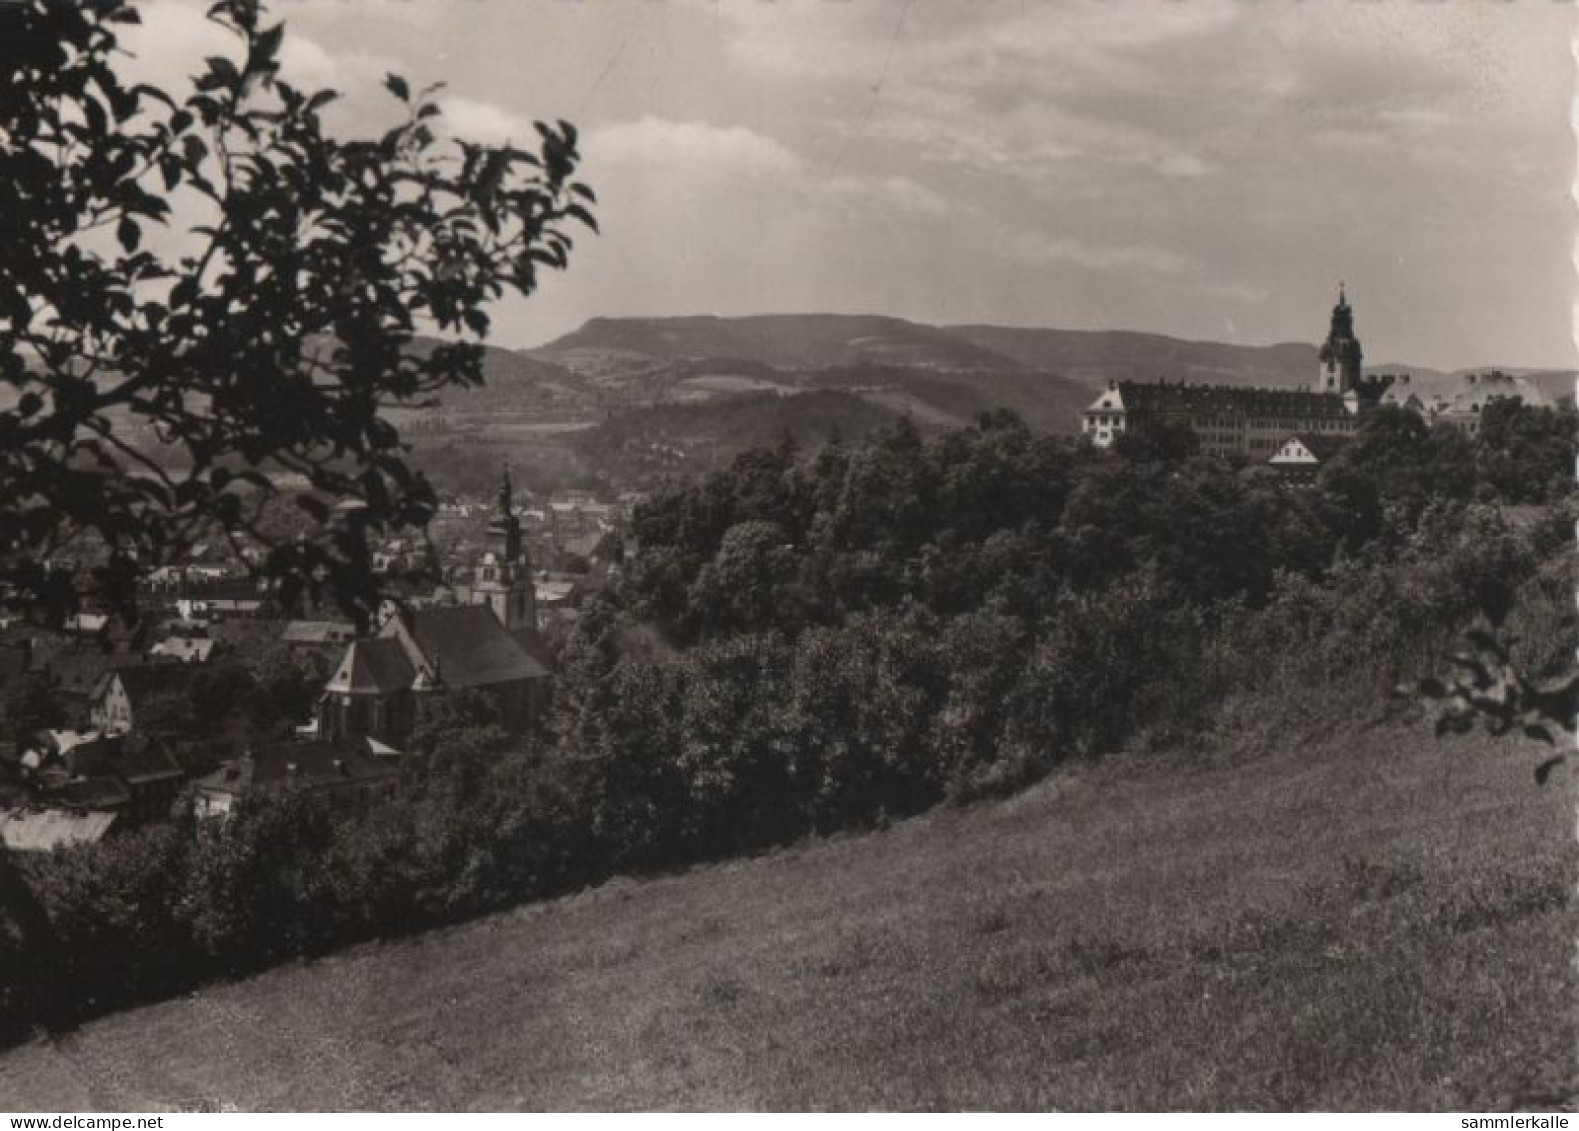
(373, 666)
(469, 647)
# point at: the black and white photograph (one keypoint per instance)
(788, 556)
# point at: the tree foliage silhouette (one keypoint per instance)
(206, 294)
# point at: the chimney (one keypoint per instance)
(1112, 384)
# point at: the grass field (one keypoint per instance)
(1361, 921)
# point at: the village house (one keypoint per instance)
(34, 750)
(71, 667)
(1461, 408)
(46, 828)
(322, 640)
(87, 624)
(1301, 456)
(349, 774)
(135, 775)
(125, 695)
(216, 608)
(183, 649)
(79, 788)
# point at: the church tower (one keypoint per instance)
(504, 578)
(1340, 355)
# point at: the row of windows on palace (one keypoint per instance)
(1236, 424)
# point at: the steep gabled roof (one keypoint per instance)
(1322, 445)
(528, 640)
(467, 646)
(134, 758)
(378, 667)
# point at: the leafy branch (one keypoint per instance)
(1487, 687)
(273, 336)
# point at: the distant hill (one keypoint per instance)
(655, 396)
(1095, 357)
(787, 341)
(642, 445)
(1046, 401)
(514, 381)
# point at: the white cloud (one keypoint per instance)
(306, 65)
(1028, 142)
(1041, 250)
(1073, 160)
(690, 148)
(484, 122)
(174, 38)
(170, 44)
(886, 194)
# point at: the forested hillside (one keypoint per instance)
(630, 402)
(807, 645)
(1095, 357)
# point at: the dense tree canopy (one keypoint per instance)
(156, 386)
(1527, 454)
(810, 643)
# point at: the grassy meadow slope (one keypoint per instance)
(1362, 920)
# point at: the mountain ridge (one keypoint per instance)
(1091, 357)
(643, 398)
(795, 341)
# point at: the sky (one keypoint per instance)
(1203, 168)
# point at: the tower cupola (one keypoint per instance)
(1341, 358)
(505, 577)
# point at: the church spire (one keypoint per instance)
(505, 507)
(1341, 357)
(505, 582)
